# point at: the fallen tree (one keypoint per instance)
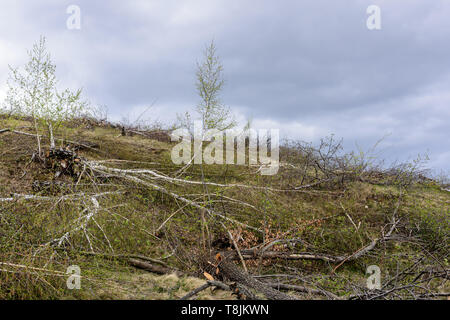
(229, 271)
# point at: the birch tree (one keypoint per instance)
(214, 114)
(33, 92)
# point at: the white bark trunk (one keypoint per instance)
(52, 139)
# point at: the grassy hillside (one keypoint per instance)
(317, 224)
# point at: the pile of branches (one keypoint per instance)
(221, 267)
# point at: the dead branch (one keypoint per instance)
(175, 196)
(255, 254)
(283, 286)
(230, 271)
(154, 269)
(82, 226)
(156, 175)
(209, 283)
(75, 196)
(123, 256)
(78, 144)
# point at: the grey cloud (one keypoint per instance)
(311, 65)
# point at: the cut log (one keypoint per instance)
(153, 268)
(65, 161)
(230, 271)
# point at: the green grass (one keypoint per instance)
(126, 222)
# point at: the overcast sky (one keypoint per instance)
(309, 68)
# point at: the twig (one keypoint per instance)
(209, 283)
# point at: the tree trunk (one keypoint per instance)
(233, 273)
(52, 139)
(38, 138)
